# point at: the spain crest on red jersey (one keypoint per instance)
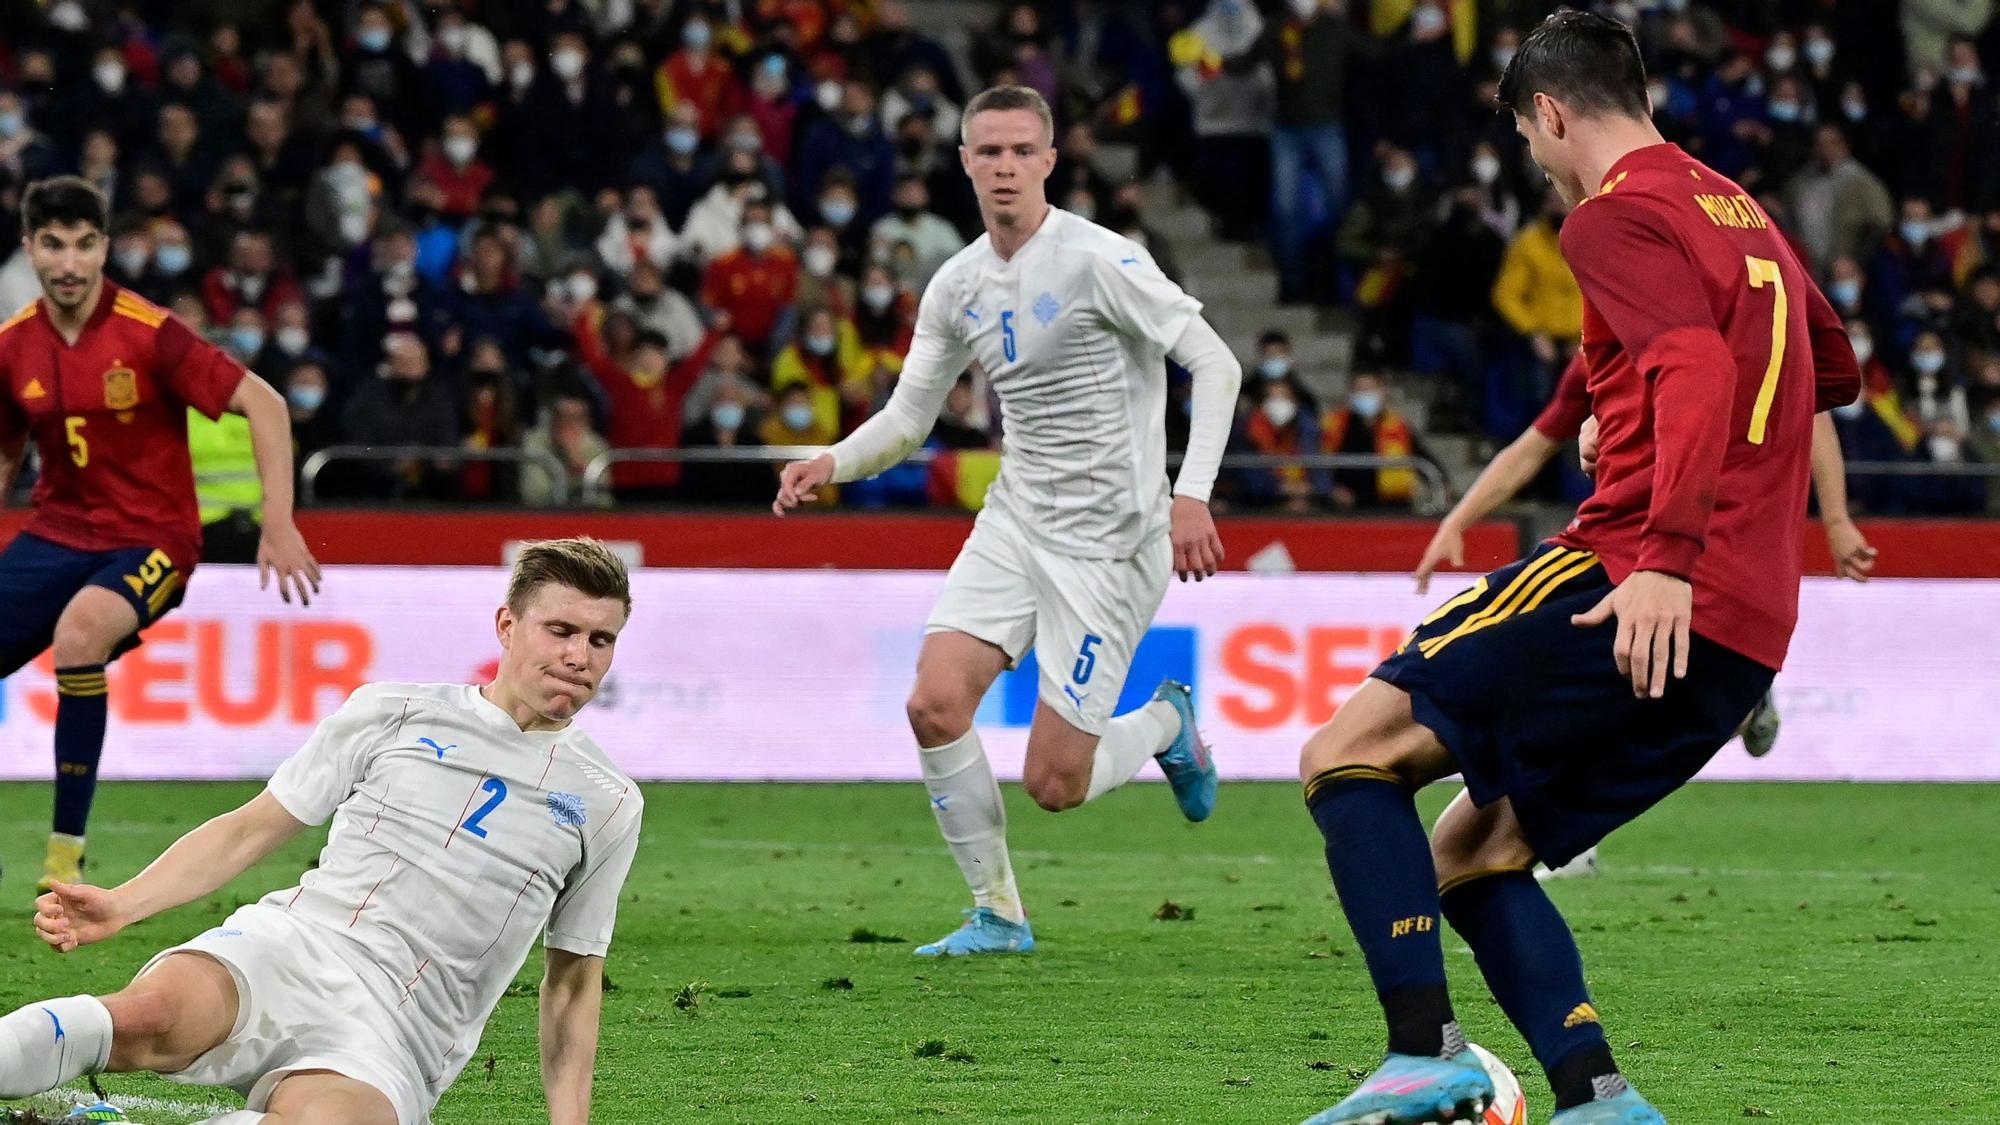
(121, 388)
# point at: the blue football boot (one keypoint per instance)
(1415, 1090)
(102, 1111)
(983, 932)
(1186, 763)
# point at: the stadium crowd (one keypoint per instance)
(584, 225)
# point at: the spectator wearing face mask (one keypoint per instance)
(1911, 258)
(1231, 89)
(1940, 386)
(1381, 234)
(113, 99)
(464, 64)
(836, 210)
(825, 273)
(1451, 302)
(1367, 424)
(885, 319)
(771, 107)
(637, 232)
(754, 283)
(454, 166)
(568, 127)
(797, 421)
(826, 356)
(730, 421)
(1279, 425)
(673, 165)
(698, 75)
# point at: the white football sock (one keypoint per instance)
(45, 1045)
(966, 801)
(240, 1117)
(1128, 741)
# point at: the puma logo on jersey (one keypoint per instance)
(440, 749)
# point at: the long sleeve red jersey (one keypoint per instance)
(1709, 351)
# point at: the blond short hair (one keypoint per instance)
(580, 563)
(1007, 97)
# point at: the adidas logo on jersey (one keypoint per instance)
(33, 390)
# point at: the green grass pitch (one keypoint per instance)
(1803, 953)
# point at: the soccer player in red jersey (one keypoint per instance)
(1579, 686)
(101, 379)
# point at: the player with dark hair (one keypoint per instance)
(102, 380)
(1581, 685)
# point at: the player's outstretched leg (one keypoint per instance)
(1189, 768)
(1360, 771)
(1528, 956)
(1760, 729)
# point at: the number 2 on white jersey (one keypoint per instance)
(496, 787)
(1765, 271)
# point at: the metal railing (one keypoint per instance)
(1433, 497)
(1921, 469)
(315, 464)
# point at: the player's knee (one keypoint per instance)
(85, 634)
(142, 1031)
(1057, 791)
(937, 716)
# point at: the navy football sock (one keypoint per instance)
(80, 710)
(1381, 866)
(1529, 957)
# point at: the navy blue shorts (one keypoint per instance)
(38, 578)
(1534, 709)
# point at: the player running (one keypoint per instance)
(1071, 552)
(1579, 686)
(467, 822)
(1566, 418)
(102, 380)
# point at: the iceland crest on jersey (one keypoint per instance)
(1046, 309)
(566, 809)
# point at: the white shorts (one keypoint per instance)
(1084, 617)
(299, 1007)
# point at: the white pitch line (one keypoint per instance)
(70, 1096)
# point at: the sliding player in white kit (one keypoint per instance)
(467, 821)
(1072, 324)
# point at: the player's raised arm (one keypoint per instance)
(281, 550)
(1216, 378)
(937, 356)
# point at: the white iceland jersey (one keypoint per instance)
(1073, 331)
(457, 839)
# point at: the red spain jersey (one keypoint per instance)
(1709, 351)
(108, 415)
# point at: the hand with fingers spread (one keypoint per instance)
(1197, 547)
(72, 915)
(282, 551)
(1654, 612)
(796, 484)
(1447, 546)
